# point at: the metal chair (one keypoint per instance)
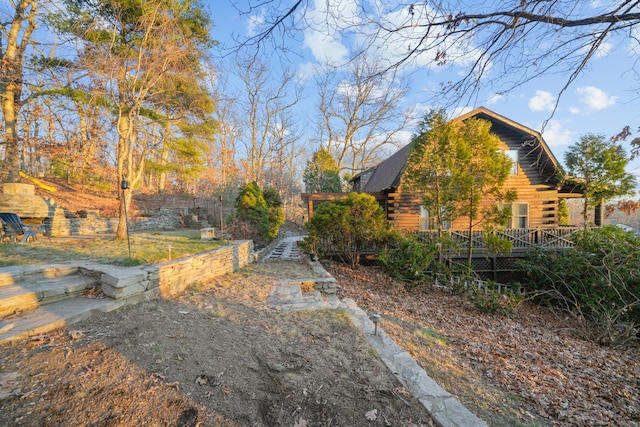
(13, 227)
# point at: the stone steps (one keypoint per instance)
(31, 273)
(36, 299)
(53, 316)
(29, 295)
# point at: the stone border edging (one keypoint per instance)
(445, 409)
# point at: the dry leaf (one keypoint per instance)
(88, 372)
(535, 354)
(157, 376)
(202, 380)
(76, 334)
(372, 415)
(300, 423)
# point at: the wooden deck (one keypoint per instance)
(487, 264)
(523, 239)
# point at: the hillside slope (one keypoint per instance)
(75, 198)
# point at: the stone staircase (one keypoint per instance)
(39, 299)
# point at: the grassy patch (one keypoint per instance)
(434, 336)
(146, 247)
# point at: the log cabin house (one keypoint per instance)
(534, 176)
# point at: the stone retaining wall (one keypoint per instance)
(165, 219)
(173, 277)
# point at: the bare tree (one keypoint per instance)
(498, 43)
(223, 170)
(263, 104)
(283, 169)
(360, 112)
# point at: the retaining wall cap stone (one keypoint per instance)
(121, 277)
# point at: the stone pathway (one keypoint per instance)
(287, 249)
(445, 409)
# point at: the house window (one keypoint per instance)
(431, 222)
(425, 220)
(513, 156)
(519, 215)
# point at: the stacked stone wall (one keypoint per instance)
(165, 219)
(173, 277)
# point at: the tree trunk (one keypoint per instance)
(599, 214)
(11, 162)
(11, 82)
(124, 171)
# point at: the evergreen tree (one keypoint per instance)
(348, 227)
(252, 213)
(322, 174)
(431, 167)
(141, 56)
(275, 211)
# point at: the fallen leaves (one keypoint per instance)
(94, 293)
(76, 335)
(535, 354)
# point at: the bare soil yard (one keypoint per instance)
(216, 356)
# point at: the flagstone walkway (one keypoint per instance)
(445, 408)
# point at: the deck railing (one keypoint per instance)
(523, 239)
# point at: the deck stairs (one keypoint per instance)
(37, 299)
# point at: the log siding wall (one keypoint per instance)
(533, 183)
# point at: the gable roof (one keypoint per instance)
(388, 173)
(486, 114)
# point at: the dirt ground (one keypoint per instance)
(215, 356)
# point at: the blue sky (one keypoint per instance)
(602, 100)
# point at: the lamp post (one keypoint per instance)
(124, 185)
(376, 319)
(221, 220)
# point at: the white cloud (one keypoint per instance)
(542, 101)
(324, 33)
(395, 46)
(595, 98)
(604, 50)
(494, 99)
(402, 138)
(254, 22)
(574, 110)
(459, 111)
(555, 135)
(325, 48)
(306, 71)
